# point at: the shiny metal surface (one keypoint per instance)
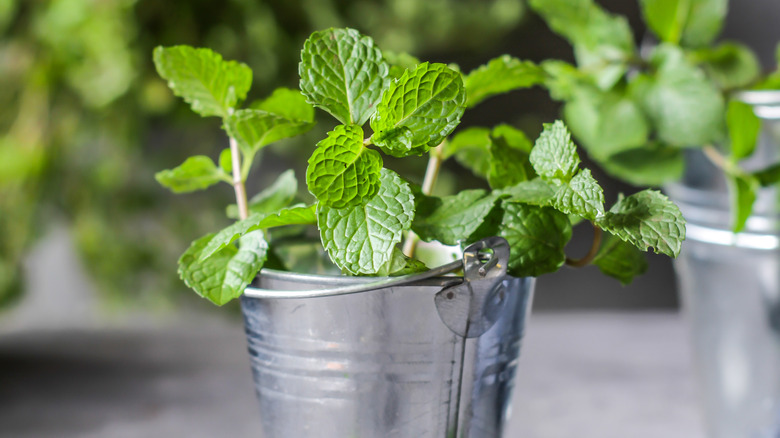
(379, 364)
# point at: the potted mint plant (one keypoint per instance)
(392, 347)
(698, 118)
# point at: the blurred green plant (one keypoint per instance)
(80, 112)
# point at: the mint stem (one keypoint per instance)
(238, 182)
(429, 181)
(594, 249)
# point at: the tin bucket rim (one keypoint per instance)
(337, 280)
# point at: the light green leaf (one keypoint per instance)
(470, 148)
(564, 80)
(342, 172)
(451, 219)
(362, 239)
(692, 23)
(537, 236)
(620, 260)
(254, 129)
(731, 65)
(343, 73)
(196, 173)
(203, 79)
(535, 191)
(226, 161)
(295, 215)
(554, 155)
(399, 62)
(744, 127)
(279, 195)
(582, 196)
(286, 103)
(400, 264)
(743, 191)
(653, 165)
(606, 123)
(685, 108)
(227, 273)
(647, 219)
(419, 110)
(501, 75)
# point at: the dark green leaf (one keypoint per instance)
(419, 110)
(768, 176)
(203, 79)
(537, 236)
(509, 160)
(653, 165)
(731, 65)
(620, 260)
(451, 219)
(342, 172)
(196, 173)
(400, 264)
(535, 191)
(225, 274)
(254, 129)
(647, 219)
(743, 191)
(362, 239)
(343, 73)
(501, 75)
(744, 127)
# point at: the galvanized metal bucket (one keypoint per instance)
(415, 356)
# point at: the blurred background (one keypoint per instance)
(86, 234)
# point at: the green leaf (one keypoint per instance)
(606, 123)
(509, 159)
(620, 260)
(768, 176)
(400, 264)
(744, 127)
(286, 103)
(743, 191)
(537, 236)
(419, 110)
(647, 219)
(195, 173)
(226, 161)
(343, 73)
(227, 273)
(535, 191)
(731, 65)
(470, 148)
(399, 62)
(451, 219)
(279, 195)
(501, 75)
(692, 23)
(362, 239)
(295, 215)
(564, 80)
(554, 155)
(203, 79)
(342, 172)
(582, 196)
(653, 165)
(254, 129)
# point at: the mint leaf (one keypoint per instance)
(400, 264)
(195, 173)
(537, 236)
(620, 260)
(685, 108)
(419, 110)
(647, 219)
(500, 75)
(342, 172)
(286, 103)
(451, 219)
(652, 165)
(509, 158)
(203, 79)
(535, 191)
(226, 161)
(361, 239)
(254, 129)
(606, 123)
(470, 148)
(554, 155)
(582, 196)
(295, 215)
(279, 195)
(768, 176)
(730, 65)
(743, 191)
(692, 23)
(744, 127)
(343, 73)
(227, 273)
(399, 63)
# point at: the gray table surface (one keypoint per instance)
(581, 375)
